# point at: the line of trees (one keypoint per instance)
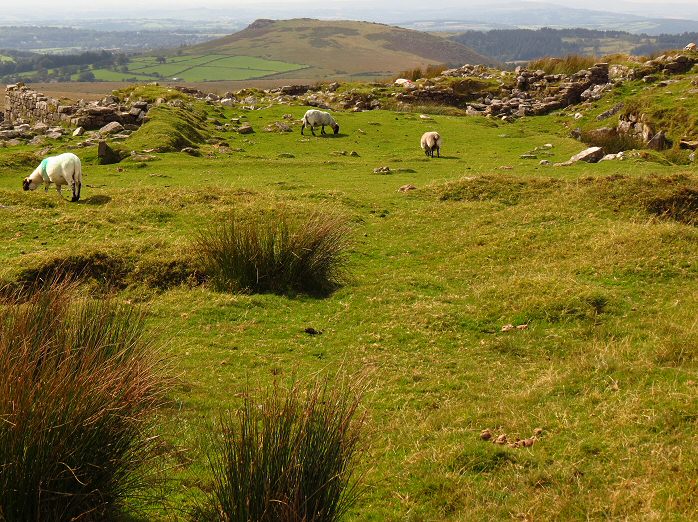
(59, 66)
(509, 45)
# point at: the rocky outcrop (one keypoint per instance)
(665, 64)
(639, 127)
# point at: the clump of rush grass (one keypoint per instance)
(431, 71)
(276, 252)
(287, 457)
(569, 64)
(80, 384)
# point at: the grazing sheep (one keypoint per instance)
(431, 141)
(64, 169)
(313, 118)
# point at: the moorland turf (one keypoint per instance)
(606, 284)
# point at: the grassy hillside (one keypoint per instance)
(344, 48)
(594, 263)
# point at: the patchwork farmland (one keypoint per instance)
(197, 68)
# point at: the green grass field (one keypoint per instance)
(198, 68)
(606, 366)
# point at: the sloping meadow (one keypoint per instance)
(545, 304)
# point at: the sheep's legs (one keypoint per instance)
(322, 131)
(312, 129)
(76, 193)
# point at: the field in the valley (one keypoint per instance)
(197, 68)
(591, 258)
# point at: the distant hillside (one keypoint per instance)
(534, 15)
(341, 48)
(57, 40)
(526, 44)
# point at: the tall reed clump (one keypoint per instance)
(80, 384)
(276, 252)
(569, 64)
(288, 457)
(431, 71)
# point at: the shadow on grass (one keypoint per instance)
(95, 200)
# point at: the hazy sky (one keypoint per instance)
(47, 9)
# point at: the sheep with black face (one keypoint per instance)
(64, 169)
(430, 142)
(314, 118)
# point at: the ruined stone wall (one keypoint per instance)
(24, 105)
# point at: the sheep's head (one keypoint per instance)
(28, 184)
(335, 128)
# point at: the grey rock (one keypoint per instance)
(111, 128)
(590, 155)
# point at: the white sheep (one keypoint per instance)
(430, 142)
(314, 118)
(64, 169)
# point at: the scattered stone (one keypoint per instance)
(406, 188)
(111, 128)
(107, 155)
(690, 47)
(286, 155)
(486, 434)
(191, 151)
(425, 117)
(545, 163)
(507, 327)
(278, 126)
(245, 129)
(610, 112)
(382, 170)
(528, 156)
(578, 116)
(354, 154)
(312, 331)
(658, 142)
(404, 82)
(689, 144)
(40, 128)
(79, 131)
(522, 327)
(501, 440)
(612, 157)
(590, 155)
(538, 432)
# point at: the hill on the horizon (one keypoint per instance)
(341, 47)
